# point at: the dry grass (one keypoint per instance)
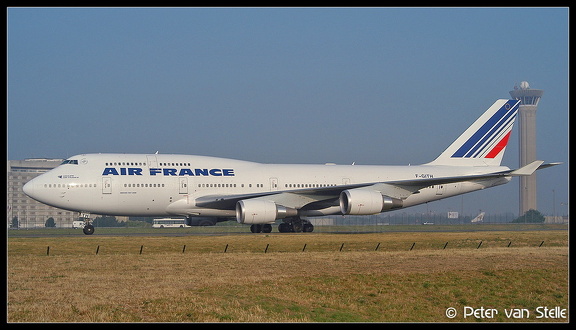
(358, 284)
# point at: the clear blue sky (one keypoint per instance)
(290, 85)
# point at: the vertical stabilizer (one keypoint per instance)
(484, 142)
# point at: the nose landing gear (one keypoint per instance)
(88, 228)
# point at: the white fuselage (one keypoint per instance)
(167, 185)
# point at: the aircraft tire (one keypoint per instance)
(285, 228)
(297, 227)
(88, 230)
(267, 228)
(256, 228)
(308, 228)
(205, 222)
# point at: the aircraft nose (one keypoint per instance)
(28, 188)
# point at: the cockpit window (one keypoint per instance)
(70, 161)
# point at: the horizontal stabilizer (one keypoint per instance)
(549, 165)
(528, 169)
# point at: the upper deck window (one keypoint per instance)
(70, 161)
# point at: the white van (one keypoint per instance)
(77, 224)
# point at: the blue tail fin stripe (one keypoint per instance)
(477, 140)
(489, 135)
(499, 120)
(493, 141)
(495, 137)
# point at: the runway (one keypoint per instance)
(245, 230)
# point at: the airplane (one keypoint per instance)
(257, 194)
(478, 218)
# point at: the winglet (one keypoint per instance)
(528, 169)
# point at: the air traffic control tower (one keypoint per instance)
(529, 99)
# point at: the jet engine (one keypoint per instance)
(365, 202)
(250, 211)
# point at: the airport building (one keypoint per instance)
(28, 212)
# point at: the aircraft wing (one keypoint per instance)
(299, 198)
(228, 202)
(401, 189)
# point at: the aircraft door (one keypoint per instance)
(106, 185)
(152, 162)
(273, 184)
(440, 189)
(183, 185)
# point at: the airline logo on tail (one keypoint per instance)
(492, 137)
(484, 142)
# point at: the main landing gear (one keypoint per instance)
(289, 225)
(295, 225)
(266, 228)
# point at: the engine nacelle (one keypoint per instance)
(365, 202)
(250, 211)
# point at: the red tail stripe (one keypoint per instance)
(501, 145)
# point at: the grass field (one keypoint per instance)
(410, 277)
